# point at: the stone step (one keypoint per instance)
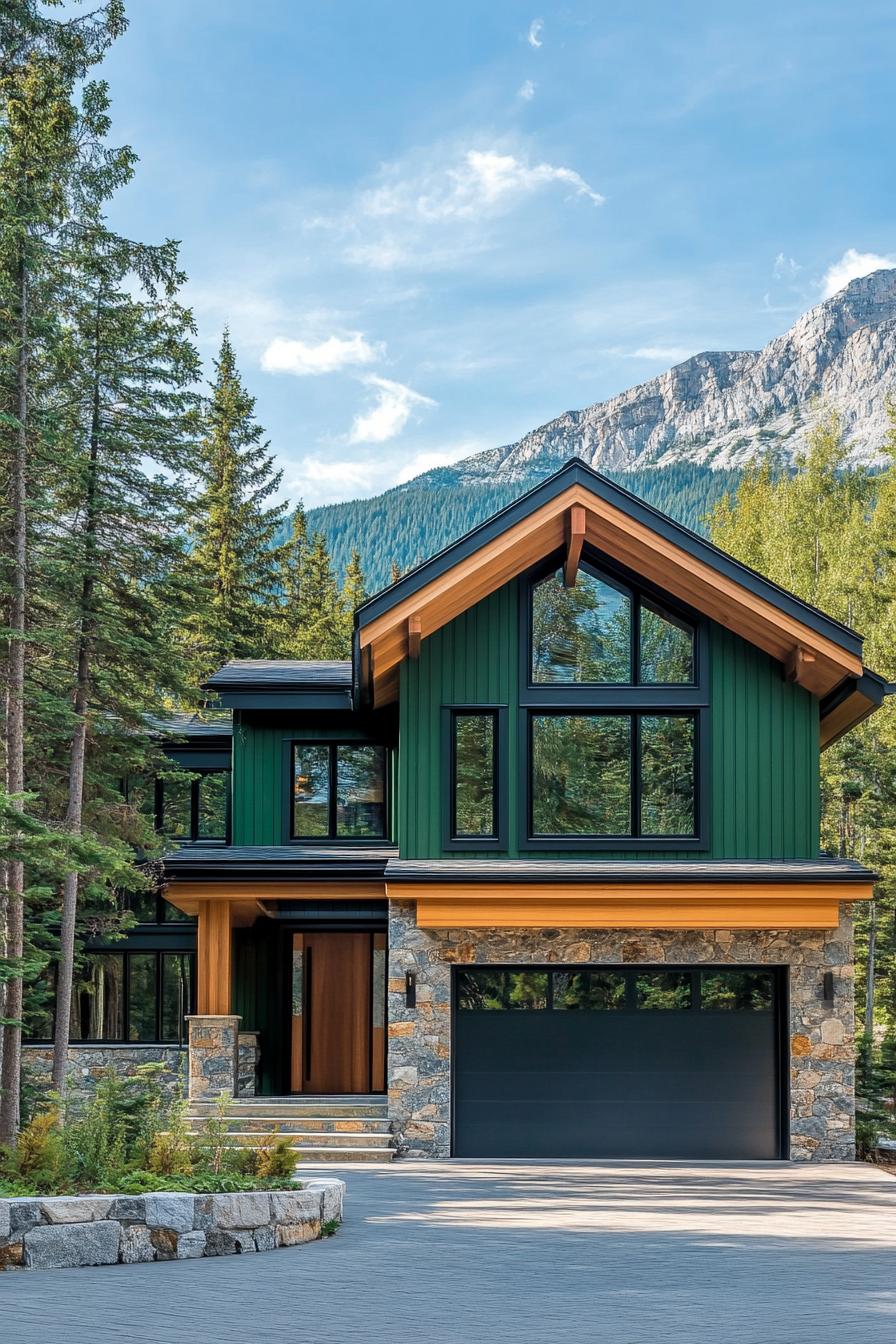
(291, 1124)
(374, 1108)
(306, 1153)
(304, 1139)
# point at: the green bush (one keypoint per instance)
(130, 1137)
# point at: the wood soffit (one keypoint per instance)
(575, 517)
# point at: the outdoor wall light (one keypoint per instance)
(827, 987)
(410, 989)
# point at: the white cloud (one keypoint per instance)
(667, 354)
(785, 267)
(536, 28)
(438, 457)
(852, 265)
(302, 358)
(481, 182)
(320, 478)
(390, 413)
(526, 91)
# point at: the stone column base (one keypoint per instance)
(214, 1056)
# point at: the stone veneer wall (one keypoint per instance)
(61, 1232)
(822, 1108)
(87, 1064)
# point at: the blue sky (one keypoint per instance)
(433, 227)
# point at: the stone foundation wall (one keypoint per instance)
(822, 1107)
(87, 1064)
(67, 1231)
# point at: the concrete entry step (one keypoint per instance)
(303, 1139)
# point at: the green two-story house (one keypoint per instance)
(539, 867)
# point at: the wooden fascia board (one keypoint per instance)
(575, 540)
(748, 905)
(820, 666)
(189, 896)
(847, 715)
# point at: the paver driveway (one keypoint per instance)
(487, 1253)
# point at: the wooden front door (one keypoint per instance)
(332, 1028)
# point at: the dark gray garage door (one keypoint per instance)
(648, 1062)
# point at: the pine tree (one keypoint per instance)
(117, 569)
(353, 594)
(45, 177)
(320, 629)
(233, 552)
(285, 605)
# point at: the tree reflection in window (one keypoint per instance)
(667, 774)
(588, 991)
(666, 653)
(666, 989)
(474, 775)
(737, 991)
(581, 774)
(580, 634)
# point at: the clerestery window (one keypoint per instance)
(613, 715)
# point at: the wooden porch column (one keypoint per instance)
(214, 957)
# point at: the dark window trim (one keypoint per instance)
(500, 784)
(528, 840)
(332, 744)
(125, 1040)
(672, 694)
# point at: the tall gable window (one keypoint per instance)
(613, 712)
(338, 791)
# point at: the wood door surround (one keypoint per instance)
(334, 1038)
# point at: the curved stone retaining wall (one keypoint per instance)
(64, 1231)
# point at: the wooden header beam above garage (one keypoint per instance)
(578, 507)
(747, 905)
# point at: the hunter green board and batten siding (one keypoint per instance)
(764, 739)
(260, 779)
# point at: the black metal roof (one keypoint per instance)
(280, 673)
(577, 472)
(271, 863)
(627, 870)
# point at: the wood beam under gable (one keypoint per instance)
(575, 540)
(800, 664)
(414, 636)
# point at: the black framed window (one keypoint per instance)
(129, 996)
(631, 989)
(338, 791)
(474, 777)
(609, 774)
(614, 704)
(195, 806)
(601, 632)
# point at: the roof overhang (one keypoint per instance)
(578, 506)
(453, 894)
(849, 704)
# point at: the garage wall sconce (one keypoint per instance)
(410, 989)
(827, 987)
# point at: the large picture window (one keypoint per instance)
(131, 996)
(338, 791)
(604, 775)
(613, 712)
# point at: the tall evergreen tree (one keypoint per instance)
(285, 606)
(319, 631)
(234, 554)
(353, 594)
(118, 567)
(46, 175)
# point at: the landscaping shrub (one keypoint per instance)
(130, 1137)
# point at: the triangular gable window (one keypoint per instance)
(600, 633)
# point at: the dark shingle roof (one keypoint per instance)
(213, 723)
(627, 870)
(283, 674)
(273, 862)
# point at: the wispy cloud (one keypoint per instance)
(851, 266)
(438, 457)
(666, 354)
(536, 28)
(526, 91)
(785, 268)
(393, 406)
(303, 359)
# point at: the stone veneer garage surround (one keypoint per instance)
(822, 1118)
